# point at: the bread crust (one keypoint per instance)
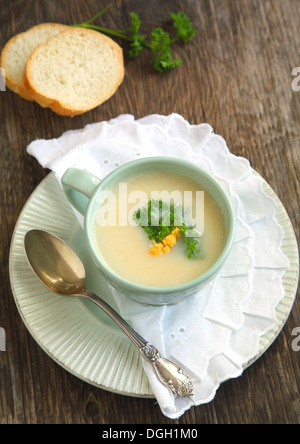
(56, 105)
(9, 81)
(21, 88)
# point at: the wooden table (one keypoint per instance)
(237, 76)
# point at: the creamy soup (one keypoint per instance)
(125, 247)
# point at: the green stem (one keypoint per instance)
(114, 32)
(99, 14)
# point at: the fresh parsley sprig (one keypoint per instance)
(159, 219)
(160, 42)
(161, 48)
(184, 26)
(138, 40)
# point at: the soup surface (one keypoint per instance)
(125, 248)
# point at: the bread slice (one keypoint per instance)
(75, 71)
(17, 50)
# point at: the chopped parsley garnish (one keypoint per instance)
(159, 220)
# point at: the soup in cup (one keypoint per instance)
(158, 228)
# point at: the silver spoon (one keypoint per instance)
(59, 268)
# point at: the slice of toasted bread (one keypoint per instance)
(17, 50)
(75, 71)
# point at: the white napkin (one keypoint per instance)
(214, 334)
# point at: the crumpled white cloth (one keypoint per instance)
(211, 335)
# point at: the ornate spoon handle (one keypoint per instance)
(167, 371)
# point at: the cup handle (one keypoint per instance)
(79, 186)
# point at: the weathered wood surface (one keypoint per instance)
(236, 76)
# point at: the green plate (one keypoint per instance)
(75, 333)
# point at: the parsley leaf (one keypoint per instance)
(138, 40)
(161, 48)
(153, 219)
(184, 26)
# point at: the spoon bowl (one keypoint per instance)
(56, 265)
(59, 268)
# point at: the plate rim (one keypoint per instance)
(275, 332)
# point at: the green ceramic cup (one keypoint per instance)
(83, 189)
